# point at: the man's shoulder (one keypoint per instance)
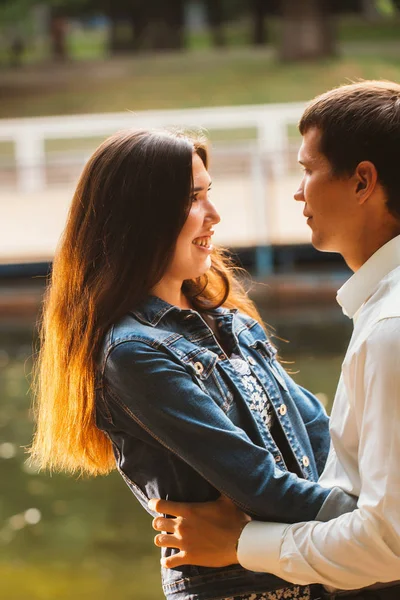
(390, 301)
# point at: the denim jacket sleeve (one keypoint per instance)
(159, 394)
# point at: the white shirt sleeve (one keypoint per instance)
(360, 548)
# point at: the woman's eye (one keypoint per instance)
(194, 198)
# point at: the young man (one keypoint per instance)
(351, 194)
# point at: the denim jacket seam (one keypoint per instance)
(104, 404)
(134, 337)
(171, 339)
(189, 357)
(156, 318)
(123, 474)
(251, 324)
(195, 339)
(161, 313)
(106, 352)
(237, 329)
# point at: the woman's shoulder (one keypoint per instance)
(131, 333)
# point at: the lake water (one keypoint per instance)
(63, 538)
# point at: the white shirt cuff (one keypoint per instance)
(259, 546)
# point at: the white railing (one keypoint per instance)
(29, 135)
(267, 154)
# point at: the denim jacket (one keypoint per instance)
(182, 428)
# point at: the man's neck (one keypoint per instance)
(367, 246)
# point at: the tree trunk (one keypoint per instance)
(165, 25)
(112, 35)
(370, 10)
(58, 37)
(307, 30)
(215, 21)
(138, 28)
(175, 22)
(259, 34)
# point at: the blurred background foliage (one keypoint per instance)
(79, 56)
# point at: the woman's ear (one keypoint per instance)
(366, 179)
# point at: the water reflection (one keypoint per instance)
(62, 537)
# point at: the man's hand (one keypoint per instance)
(206, 533)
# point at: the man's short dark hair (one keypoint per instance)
(360, 121)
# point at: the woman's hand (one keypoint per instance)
(206, 533)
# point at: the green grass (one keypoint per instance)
(200, 76)
(23, 580)
(354, 29)
(186, 80)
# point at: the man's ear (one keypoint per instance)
(366, 178)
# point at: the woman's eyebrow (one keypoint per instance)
(200, 188)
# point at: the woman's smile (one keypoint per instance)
(203, 243)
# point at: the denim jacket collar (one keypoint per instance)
(153, 309)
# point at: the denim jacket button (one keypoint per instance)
(282, 410)
(222, 357)
(278, 458)
(251, 360)
(198, 367)
(306, 461)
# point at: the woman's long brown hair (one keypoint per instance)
(130, 204)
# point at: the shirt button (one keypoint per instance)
(282, 410)
(306, 461)
(198, 367)
(251, 360)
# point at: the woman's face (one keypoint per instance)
(193, 248)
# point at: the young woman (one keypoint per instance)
(154, 360)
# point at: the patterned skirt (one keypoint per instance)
(295, 592)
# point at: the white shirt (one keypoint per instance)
(359, 548)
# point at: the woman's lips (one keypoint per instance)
(205, 244)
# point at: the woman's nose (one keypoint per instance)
(213, 214)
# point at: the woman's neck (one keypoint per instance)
(171, 292)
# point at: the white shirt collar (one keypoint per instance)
(363, 283)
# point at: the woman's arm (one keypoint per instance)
(160, 395)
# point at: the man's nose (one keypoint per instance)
(299, 194)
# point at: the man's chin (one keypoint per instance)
(321, 244)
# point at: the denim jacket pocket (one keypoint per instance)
(203, 366)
